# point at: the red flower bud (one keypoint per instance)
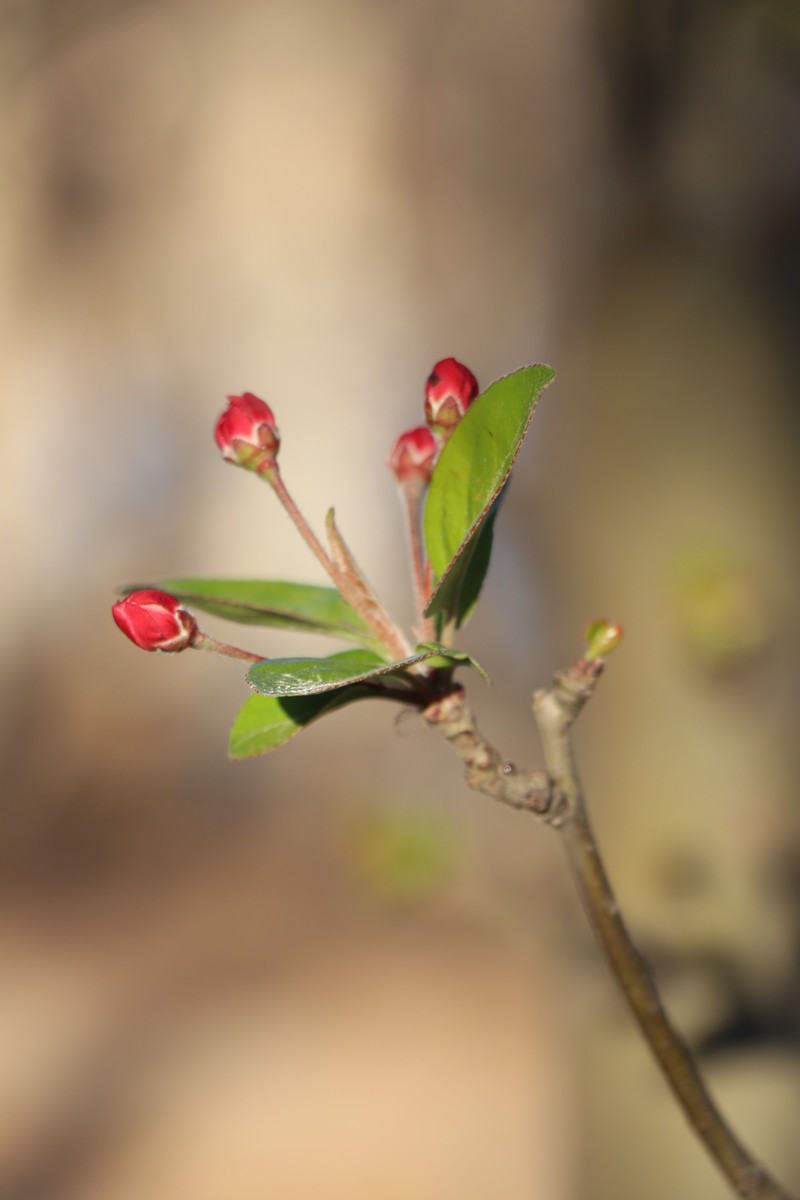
(414, 454)
(246, 433)
(155, 621)
(450, 390)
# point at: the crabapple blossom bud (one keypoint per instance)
(414, 455)
(155, 620)
(450, 390)
(246, 433)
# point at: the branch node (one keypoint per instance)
(486, 770)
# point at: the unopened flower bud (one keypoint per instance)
(246, 433)
(414, 455)
(155, 621)
(450, 390)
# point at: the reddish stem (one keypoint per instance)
(202, 641)
(386, 636)
(413, 491)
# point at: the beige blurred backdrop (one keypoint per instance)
(334, 973)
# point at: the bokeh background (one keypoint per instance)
(334, 972)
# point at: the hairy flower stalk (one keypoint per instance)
(350, 582)
(365, 599)
(202, 641)
(248, 437)
(156, 621)
(412, 460)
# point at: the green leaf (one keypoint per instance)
(477, 564)
(446, 656)
(309, 676)
(299, 606)
(467, 479)
(266, 722)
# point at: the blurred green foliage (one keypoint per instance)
(403, 857)
(721, 610)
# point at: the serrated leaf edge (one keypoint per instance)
(386, 669)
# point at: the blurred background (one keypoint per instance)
(335, 972)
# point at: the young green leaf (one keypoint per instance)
(298, 606)
(309, 676)
(477, 563)
(447, 657)
(265, 722)
(468, 478)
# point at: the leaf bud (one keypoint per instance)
(601, 638)
(247, 435)
(450, 390)
(413, 455)
(155, 620)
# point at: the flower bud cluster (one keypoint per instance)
(450, 389)
(247, 435)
